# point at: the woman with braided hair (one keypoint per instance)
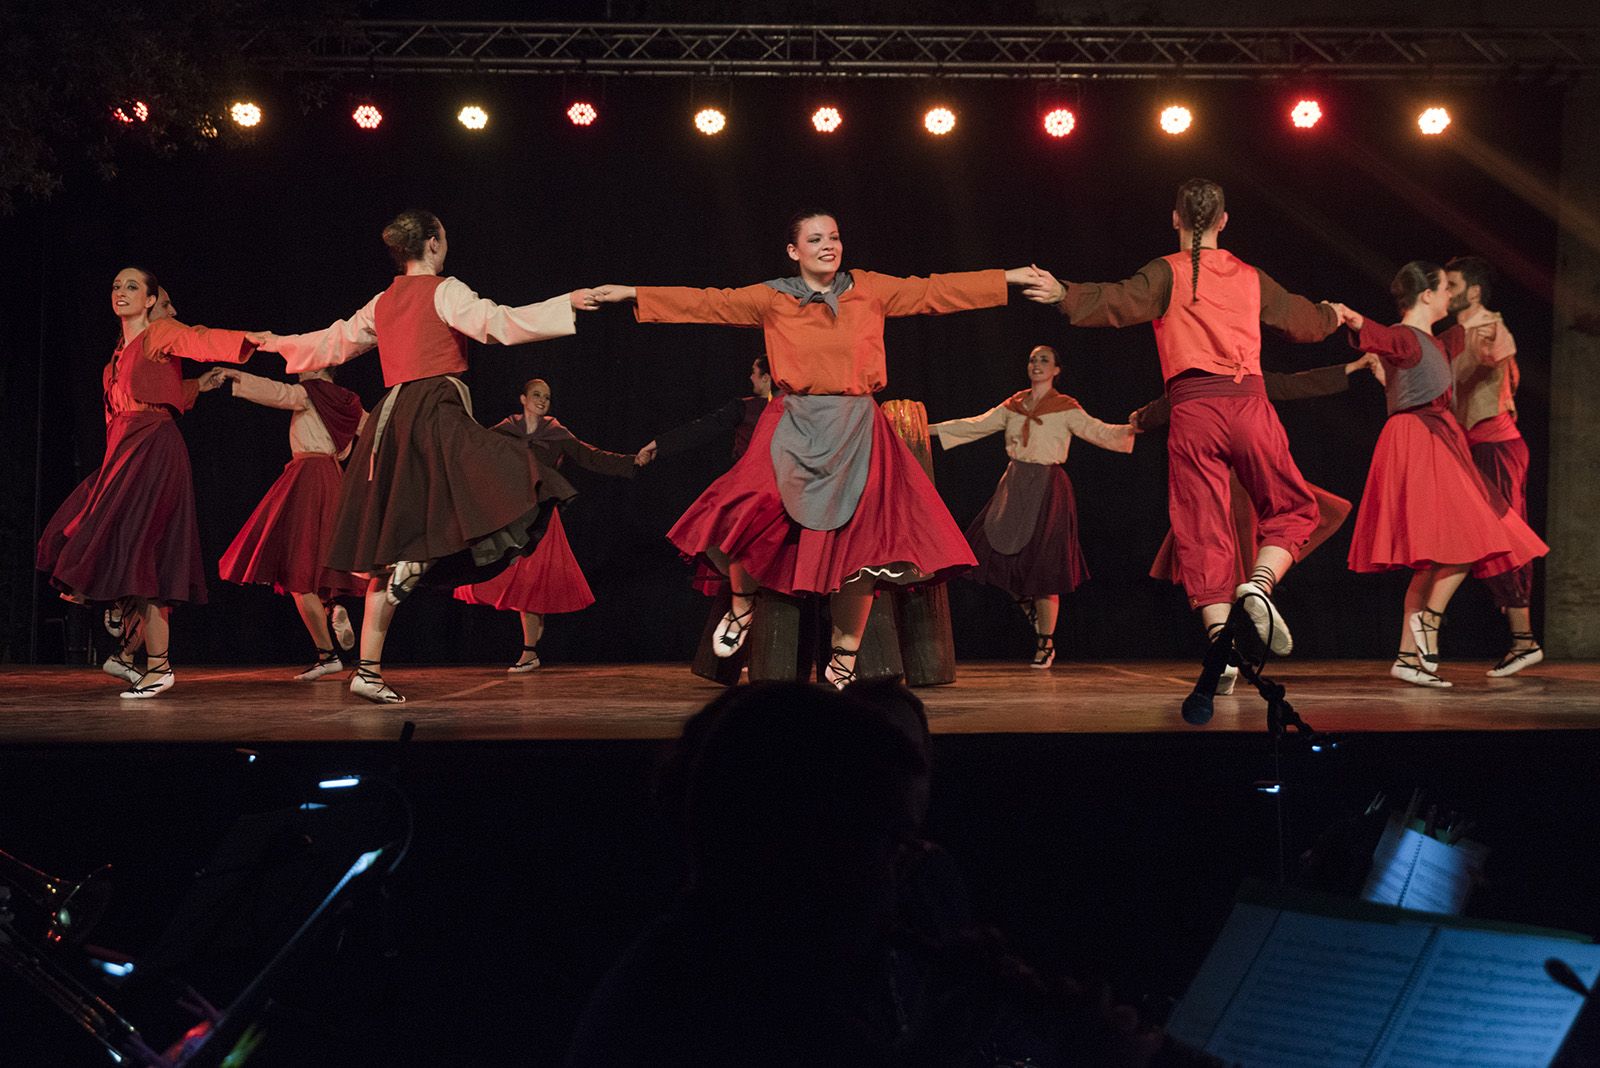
(1207, 307)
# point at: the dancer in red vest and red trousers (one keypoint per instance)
(1208, 307)
(1425, 506)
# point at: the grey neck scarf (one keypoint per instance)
(796, 287)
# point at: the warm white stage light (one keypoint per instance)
(367, 116)
(826, 120)
(710, 121)
(582, 113)
(1176, 119)
(1060, 122)
(1433, 121)
(245, 113)
(1306, 114)
(473, 117)
(939, 121)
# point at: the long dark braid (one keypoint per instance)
(1199, 206)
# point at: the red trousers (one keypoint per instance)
(1212, 436)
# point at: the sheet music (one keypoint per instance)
(1315, 994)
(1415, 871)
(1483, 998)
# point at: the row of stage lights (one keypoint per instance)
(1174, 119)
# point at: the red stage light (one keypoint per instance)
(582, 113)
(1176, 119)
(136, 112)
(1433, 121)
(826, 120)
(939, 121)
(710, 121)
(1060, 122)
(367, 116)
(1306, 114)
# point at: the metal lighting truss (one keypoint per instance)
(442, 47)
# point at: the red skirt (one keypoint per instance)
(133, 533)
(1051, 563)
(284, 543)
(1332, 511)
(901, 529)
(1425, 504)
(547, 581)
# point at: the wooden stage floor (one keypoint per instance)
(60, 705)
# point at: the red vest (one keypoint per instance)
(413, 342)
(149, 381)
(1219, 334)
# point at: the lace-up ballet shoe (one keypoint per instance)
(1225, 681)
(1045, 654)
(343, 632)
(1517, 659)
(1424, 627)
(523, 666)
(368, 682)
(730, 633)
(151, 684)
(1408, 667)
(119, 668)
(1028, 610)
(1264, 614)
(403, 579)
(327, 664)
(836, 674)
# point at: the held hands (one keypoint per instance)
(1368, 362)
(1354, 320)
(645, 455)
(265, 340)
(1041, 286)
(612, 294)
(213, 378)
(583, 300)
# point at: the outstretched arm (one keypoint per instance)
(344, 340)
(485, 321)
(268, 393)
(699, 432)
(1112, 438)
(953, 432)
(744, 306)
(1294, 316)
(601, 462)
(168, 337)
(938, 294)
(1139, 299)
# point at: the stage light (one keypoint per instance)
(473, 117)
(1059, 122)
(939, 121)
(367, 116)
(245, 113)
(826, 120)
(710, 121)
(1176, 119)
(1306, 114)
(1433, 121)
(136, 112)
(582, 113)
(206, 128)
(344, 782)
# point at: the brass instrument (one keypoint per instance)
(73, 907)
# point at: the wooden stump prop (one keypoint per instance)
(922, 614)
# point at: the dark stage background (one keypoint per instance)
(282, 234)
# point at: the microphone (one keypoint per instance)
(1197, 706)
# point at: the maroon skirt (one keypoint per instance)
(1425, 503)
(284, 543)
(547, 581)
(439, 484)
(133, 533)
(1051, 563)
(901, 530)
(1332, 511)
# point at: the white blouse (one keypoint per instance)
(1048, 439)
(459, 307)
(307, 431)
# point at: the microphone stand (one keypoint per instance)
(1238, 643)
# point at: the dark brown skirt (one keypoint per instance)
(1051, 562)
(133, 531)
(441, 486)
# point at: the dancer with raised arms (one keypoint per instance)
(1207, 307)
(426, 481)
(826, 499)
